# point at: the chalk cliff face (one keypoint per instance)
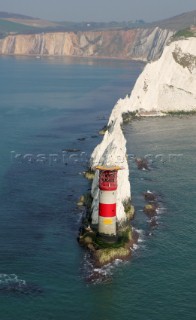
(141, 44)
(168, 84)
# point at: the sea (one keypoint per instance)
(51, 111)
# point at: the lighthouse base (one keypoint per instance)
(107, 225)
(107, 238)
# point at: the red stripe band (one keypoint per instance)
(107, 210)
(108, 188)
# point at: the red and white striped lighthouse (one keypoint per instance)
(107, 200)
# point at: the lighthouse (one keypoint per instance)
(107, 201)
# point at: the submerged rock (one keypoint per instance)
(12, 284)
(149, 196)
(81, 139)
(142, 164)
(71, 150)
(153, 222)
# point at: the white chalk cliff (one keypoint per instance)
(168, 84)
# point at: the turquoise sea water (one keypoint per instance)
(165, 263)
(48, 106)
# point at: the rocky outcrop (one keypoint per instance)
(140, 44)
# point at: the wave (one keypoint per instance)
(7, 280)
(160, 210)
(11, 283)
(100, 275)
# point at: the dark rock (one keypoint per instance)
(153, 222)
(12, 284)
(142, 164)
(71, 150)
(149, 196)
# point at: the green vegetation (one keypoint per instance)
(101, 26)
(129, 116)
(85, 200)
(150, 209)
(129, 210)
(124, 236)
(101, 244)
(8, 15)
(17, 26)
(89, 174)
(8, 26)
(105, 128)
(105, 256)
(185, 33)
(181, 113)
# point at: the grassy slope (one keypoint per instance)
(179, 22)
(8, 26)
(185, 33)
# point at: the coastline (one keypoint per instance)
(75, 57)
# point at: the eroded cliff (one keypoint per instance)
(141, 44)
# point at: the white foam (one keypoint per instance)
(140, 240)
(161, 210)
(135, 246)
(139, 231)
(11, 279)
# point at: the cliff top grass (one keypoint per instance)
(181, 113)
(183, 34)
(9, 26)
